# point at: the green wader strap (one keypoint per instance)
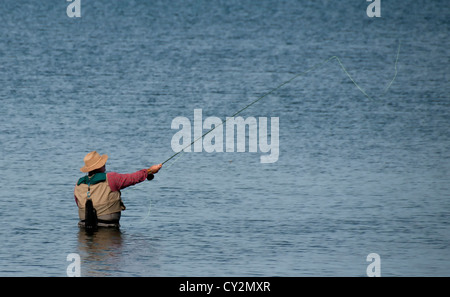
(95, 179)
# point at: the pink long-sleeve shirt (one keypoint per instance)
(118, 181)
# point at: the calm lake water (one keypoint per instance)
(354, 175)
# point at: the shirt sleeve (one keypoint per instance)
(118, 181)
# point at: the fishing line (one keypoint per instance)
(341, 65)
(287, 82)
(267, 94)
(150, 204)
(395, 67)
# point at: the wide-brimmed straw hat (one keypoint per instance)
(93, 161)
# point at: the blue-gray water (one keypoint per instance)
(355, 176)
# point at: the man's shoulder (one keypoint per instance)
(97, 178)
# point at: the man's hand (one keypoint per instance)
(154, 169)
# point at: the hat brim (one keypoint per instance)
(99, 164)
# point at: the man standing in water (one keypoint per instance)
(98, 193)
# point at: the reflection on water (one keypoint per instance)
(115, 252)
(100, 251)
